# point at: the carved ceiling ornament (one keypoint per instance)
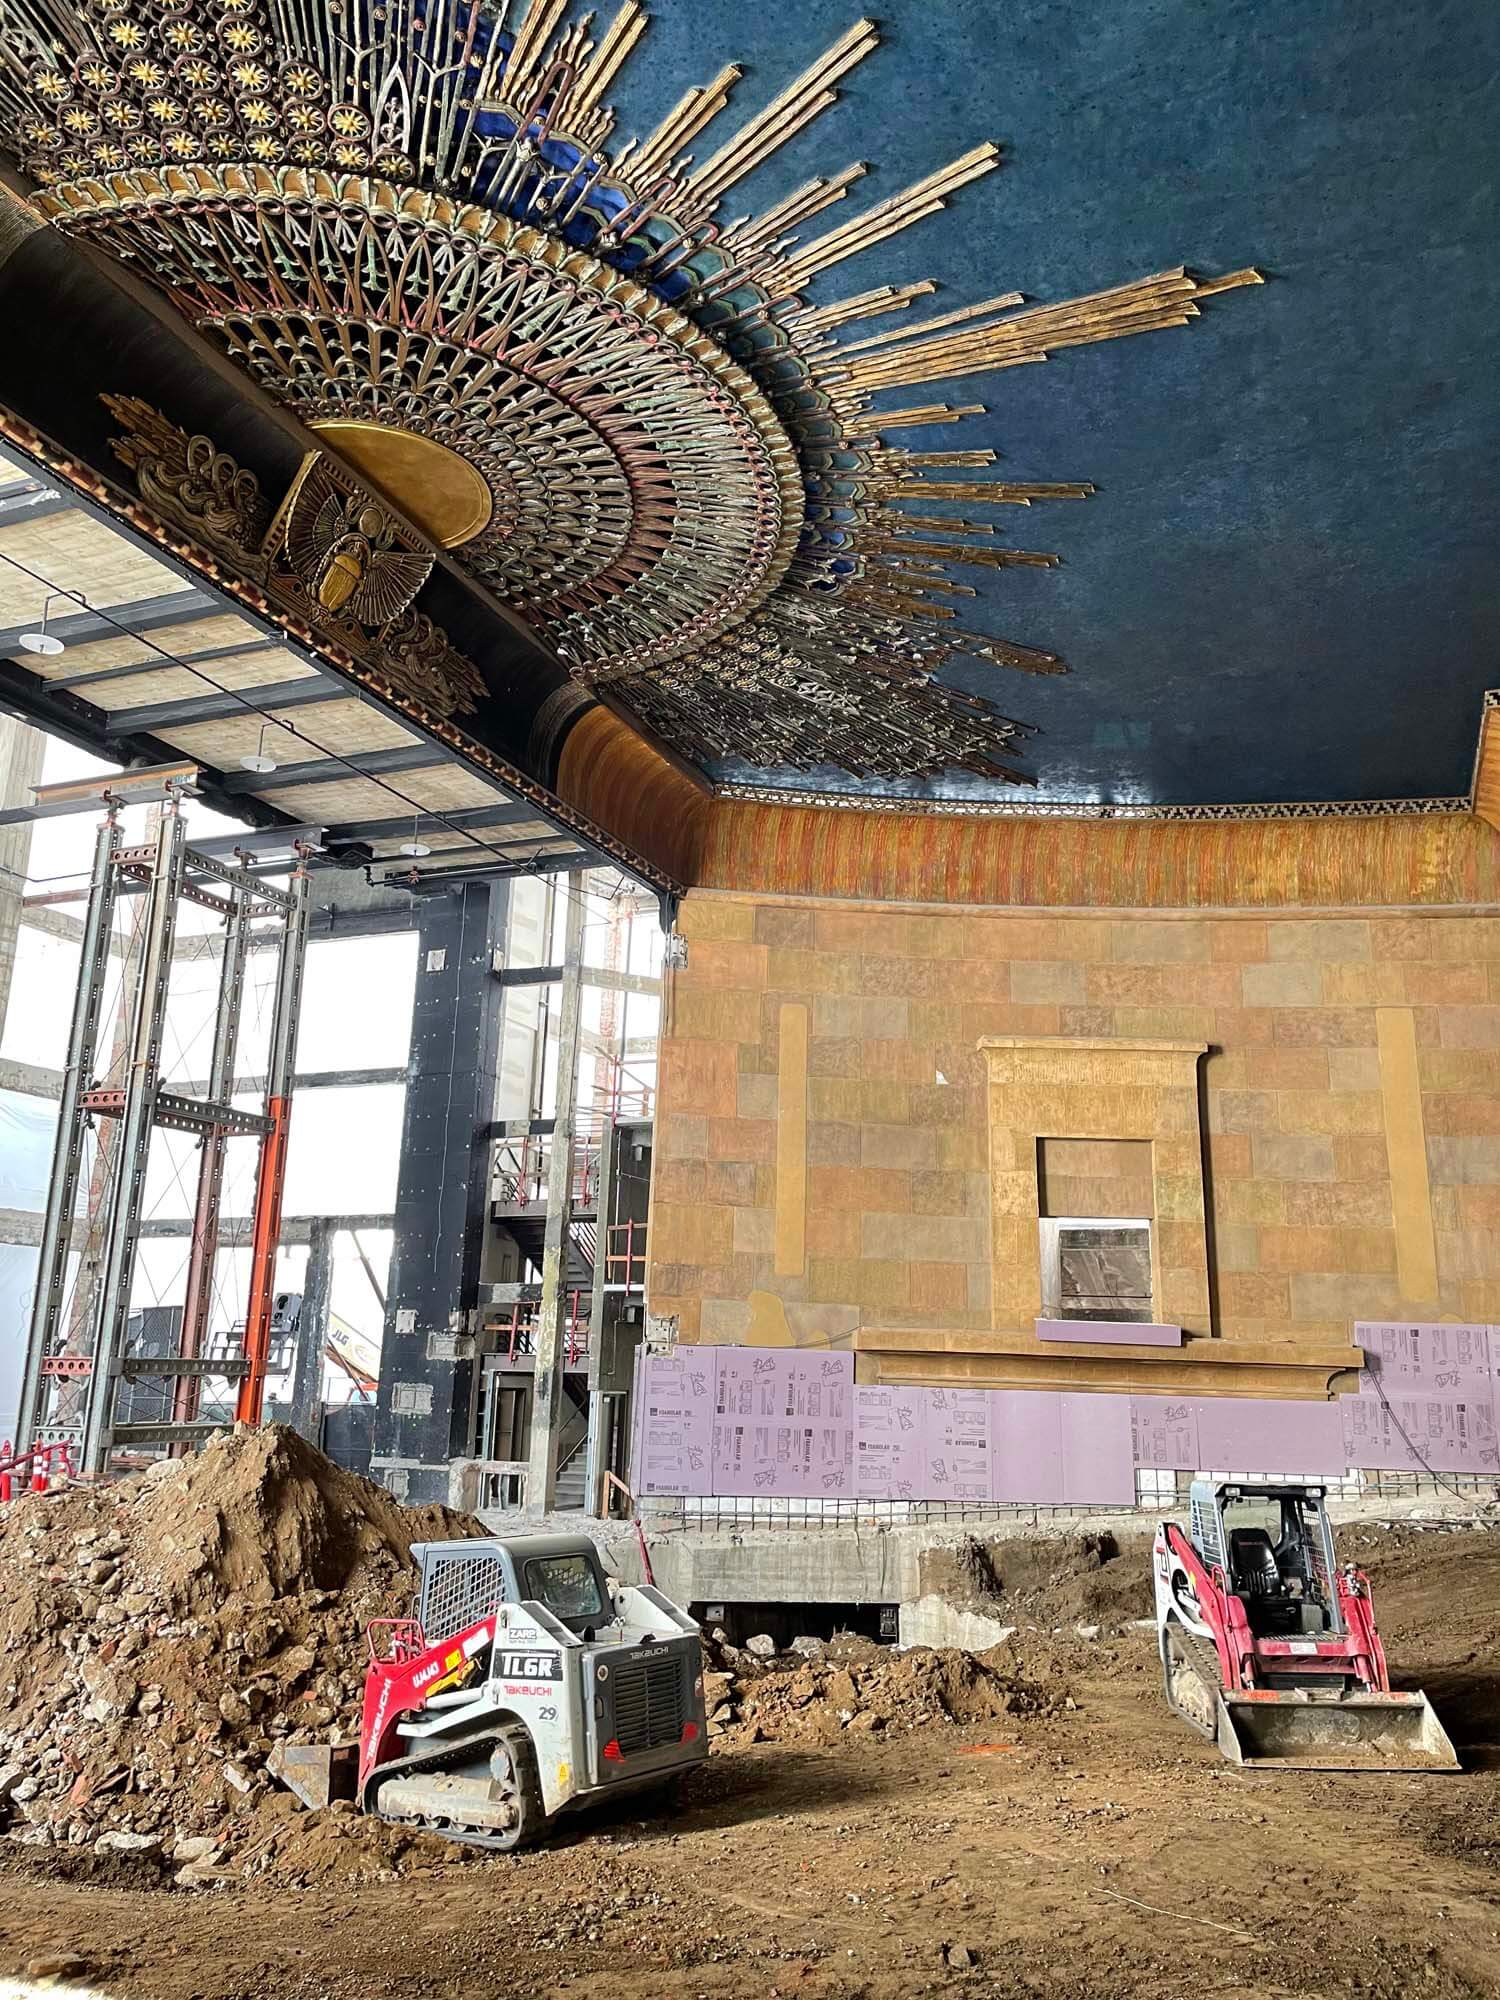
(346, 552)
(410, 224)
(328, 553)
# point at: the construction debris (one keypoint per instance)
(160, 1636)
(813, 1694)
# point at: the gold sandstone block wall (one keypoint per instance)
(826, 1152)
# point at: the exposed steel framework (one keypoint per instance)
(75, 1365)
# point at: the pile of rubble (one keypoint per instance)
(814, 1692)
(160, 1635)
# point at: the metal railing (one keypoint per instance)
(522, 1168)
(518, 1329)
(623, 1092)
(1155, 1492)
(626, 1266)
(627, 1091)
(566, 1458)
(502, 1484)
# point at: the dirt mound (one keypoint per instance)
(862, 1688)
(1043, 1579)
(160, 1635)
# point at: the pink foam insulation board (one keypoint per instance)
(637, 1405)
(755, 1449)
(1438, 1358)
(674, 1422)
(958, 1444)
(1027, 1454)
(750, 1382)
(783, 1424)
(890, 1443)
(820, 1386)
(1262, 1434)
(1416, 1433)
(1098, 1465)
(790, 1423)
(1427, 1398)
(1164, 1433)
(820, 1396)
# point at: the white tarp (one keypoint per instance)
(27, 1126)
(17, 1283)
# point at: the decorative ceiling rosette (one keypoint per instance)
(643, 426)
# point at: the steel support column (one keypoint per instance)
(551, 1324)
(68, 1147)
(596, 1463)
(21, 749)
(142, 1075)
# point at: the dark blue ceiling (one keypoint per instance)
(1287, 586)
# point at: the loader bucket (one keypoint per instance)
(1354, 1732)
(318, 1773)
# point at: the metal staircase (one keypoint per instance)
(570, 1481)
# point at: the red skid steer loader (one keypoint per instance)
(1270, 1650)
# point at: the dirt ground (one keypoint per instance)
(1097, 1850)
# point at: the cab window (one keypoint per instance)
(567, 1585)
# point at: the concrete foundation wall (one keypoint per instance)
(887, 1564)
(933, 1621)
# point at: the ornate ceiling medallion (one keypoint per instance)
(327, 554)
(447, 497)
(406, 223)
(630, 526)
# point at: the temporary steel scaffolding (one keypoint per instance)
(70, 1384)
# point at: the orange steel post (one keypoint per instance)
(270, 1180)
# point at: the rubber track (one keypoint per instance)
(439, 1758)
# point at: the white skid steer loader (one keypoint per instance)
(527, 1685)
(1270, 1650)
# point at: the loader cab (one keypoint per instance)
(566, 1578)
(1275, 1546)
(562, 1573)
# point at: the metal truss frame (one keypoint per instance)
(70, 1380)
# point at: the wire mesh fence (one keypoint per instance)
(1157, 1489)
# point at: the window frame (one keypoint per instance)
(1050, 1228)
(532, 1563)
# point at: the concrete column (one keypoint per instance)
(551, 1330)
(428, 1376)
(312, 1332)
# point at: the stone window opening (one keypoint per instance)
(1097, 1268)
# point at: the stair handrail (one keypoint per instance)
(566, 1458)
